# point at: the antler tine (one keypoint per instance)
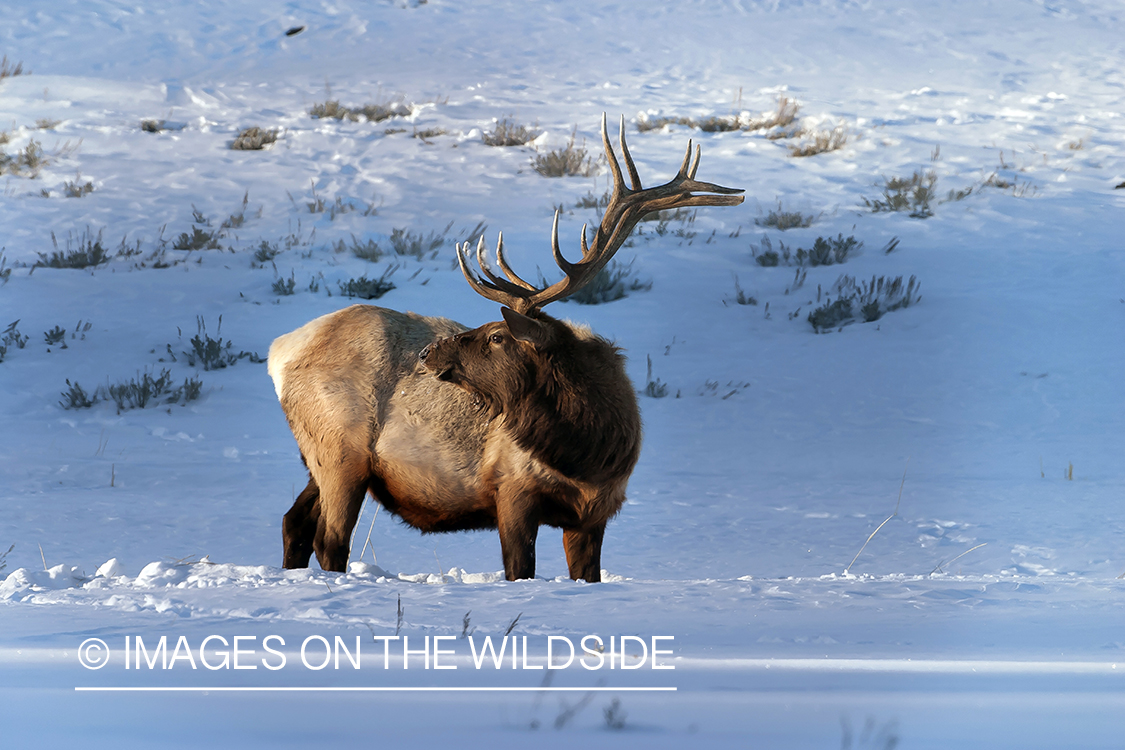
(494, 281)
(493, 288)
(474, 282)
(611, 158)
(695, 164)
(634, 178)
(684, 165)
(503, 263)
(567, 267)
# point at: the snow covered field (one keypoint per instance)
(987, 613)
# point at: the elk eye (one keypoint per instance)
(496, 338)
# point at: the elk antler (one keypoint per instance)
(626, 207)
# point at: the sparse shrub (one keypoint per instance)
(613, 282)
(7, 70)
(82, 252)
(332, 109)
(831, 314)
(566, 162)
(741, 297)
(152, 126)
(783, 116)
(75, 397)
(766, 256)
(782, 219)
(199, 239)
(77, 189)
(912, 194)
(656, 123)
(873, 299)
(821, 142)
(614, 715)
(266, 252)
(12, 337)
(653, 388)
(510, 133)
(368, 250)
(285, 287)
(719, 124)
(213, 354)
(376, 112)
(1014, 186)
(31, 159)
(56, 335)
(415, 244)
(593, 201)
(4, 558)
(825, 252)
(136, 393)
(664, 221)
(427, 134)
(5, 272)
(234, 221)
(254, 139)
(365, 288)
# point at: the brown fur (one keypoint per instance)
(515, 424)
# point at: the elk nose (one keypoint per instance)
(425, 352)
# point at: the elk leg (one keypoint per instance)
(298, 528)
(339, 510)
(519, 527)
(584, 552)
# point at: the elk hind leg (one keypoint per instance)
(584, 552)
(298, 528)
(341, 497)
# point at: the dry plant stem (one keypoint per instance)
(884, 523)
(942, 565)
(42, 556)
(369, 530)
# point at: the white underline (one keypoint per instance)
(109, 689)
(933, 666)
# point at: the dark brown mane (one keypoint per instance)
(575, 415)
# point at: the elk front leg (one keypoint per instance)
(298, 528)
(584, 552)
(518, 522)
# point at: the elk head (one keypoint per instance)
(489, 360)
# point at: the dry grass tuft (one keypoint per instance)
(912, 194)
(7, 70)
(510, 133)
(375, 112)
(782, 219)
(570, 161)
(254, 139)
(821, 142)
(781, 117)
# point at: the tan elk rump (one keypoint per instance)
(515, 424)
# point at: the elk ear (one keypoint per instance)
(524, 328)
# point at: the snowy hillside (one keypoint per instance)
(916, 315)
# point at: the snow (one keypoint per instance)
(985, 613)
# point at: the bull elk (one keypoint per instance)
(519, 423)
